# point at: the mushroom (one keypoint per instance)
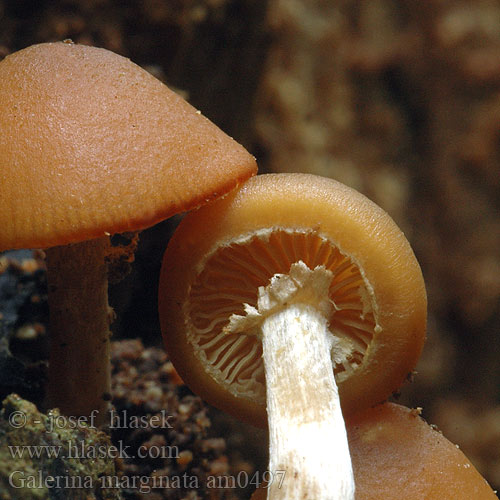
(287, 294)
(92, 145)
(396, 454)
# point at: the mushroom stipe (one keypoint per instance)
(281, 297)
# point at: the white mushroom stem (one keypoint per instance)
(308, 440)
(307, 434)
(79, 361)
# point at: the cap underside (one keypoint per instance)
(231, 278)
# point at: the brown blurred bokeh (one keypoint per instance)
(398, 99)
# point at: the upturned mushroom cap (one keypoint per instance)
(221, 254)
(396, 454)
(91, 144)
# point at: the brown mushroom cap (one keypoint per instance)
(91, 144)
(222, 253)
(396, 454)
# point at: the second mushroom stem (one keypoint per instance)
(307, 434)
(79, 364)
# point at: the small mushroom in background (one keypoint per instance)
(92, 145)
(396, 455)
(286, 294)
(390, 439)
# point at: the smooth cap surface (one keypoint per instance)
(395, 454)
(91, 144)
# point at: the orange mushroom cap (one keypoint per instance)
(396, 454)
(222, 253)
(91, 144)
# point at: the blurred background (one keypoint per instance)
(398, 99)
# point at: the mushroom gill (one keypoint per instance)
(230, 278)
